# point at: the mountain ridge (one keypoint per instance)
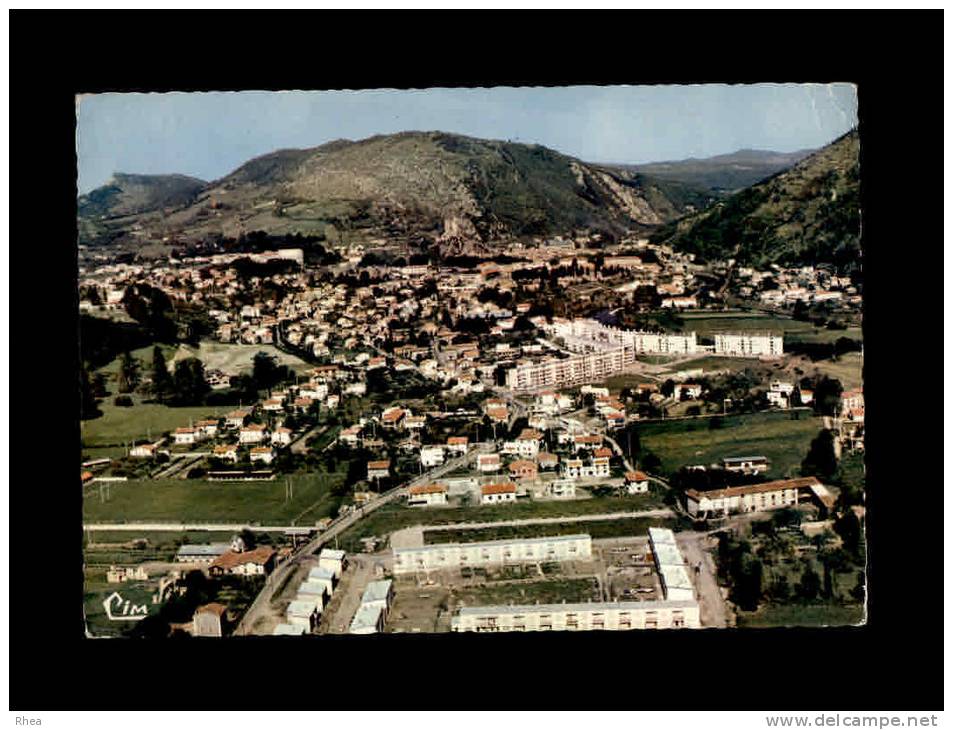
(809, 213)
(435, 185)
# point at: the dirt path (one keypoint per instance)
(714, 612)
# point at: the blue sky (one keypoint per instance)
(208, 135)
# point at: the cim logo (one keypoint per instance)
(120, 609)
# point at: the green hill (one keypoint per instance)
(807, 214)
(445, 188)
(723, 174)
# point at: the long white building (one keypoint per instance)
(614, 616)
(458, 555)
(601, 351)
(777, 494)
(749, 344)
(573, 370)
(590, 335)
(676, 583)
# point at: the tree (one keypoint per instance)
(848, 526)
(821, 460)
(152, 308)
(827, 395)
(746, 588)
(780, 590)
(668, 387)
(264, 370)
(87, 399)
(248, 538)
(128, 373)
(650, 462)
(189, 381)
(859, 591)
(810, 584)
(161, 380)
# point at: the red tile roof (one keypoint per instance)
(499, 489)
(429, 489)
(229, 560)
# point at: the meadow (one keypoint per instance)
(782, 436)
(197, 500)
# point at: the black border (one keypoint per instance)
(894, 663)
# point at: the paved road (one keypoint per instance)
(278, 578)
(300, 444)
(618, 450)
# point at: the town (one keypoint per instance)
(575, 433)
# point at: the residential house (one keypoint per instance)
(428, 494)
(493, 493)
(208, 619)
(208, 427)
(547, 460)
(745, 464)
(458, 444)
(488, 463)
(253, 433)
(431, 456)
(350, 435)
(378, 469)
(393, 417)
(258, 561)
(562, 489)
(281, 436)
(687, 390)
(237, 418)
(144, 451)
(226, 452)
(185, 436)
(523, 469)
(528, 443)
(264, 454)
(636, 482)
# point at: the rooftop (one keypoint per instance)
(774, 486)
(366, 617)
(659, 535)
(213, 550)
(498, 489)
(491, 543)
(376, 590)
(574, 607)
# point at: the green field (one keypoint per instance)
(570, 590)
(144, 355)
(118, 425)
(197, 500)
(637, 526)
(103, 548)
(848, 369)
(773, 615)
(774, 434)
(230, 357)
(394, 517)
(705, 324)
(626, 380)
(718, 363)
(234, 358)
